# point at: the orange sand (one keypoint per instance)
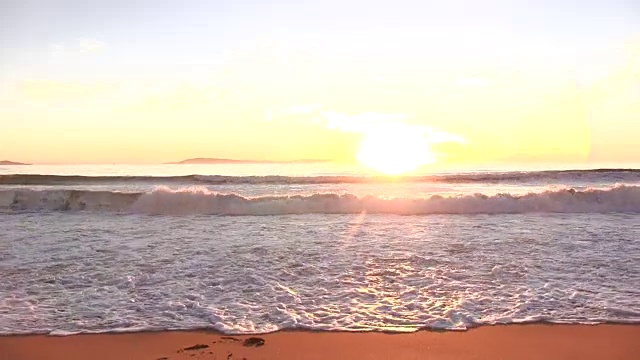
(537, 341)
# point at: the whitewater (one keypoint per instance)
(253, 249)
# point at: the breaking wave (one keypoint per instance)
(199, 200)
(561, 176)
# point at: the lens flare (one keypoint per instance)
(395, 149)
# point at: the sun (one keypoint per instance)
(395, 149)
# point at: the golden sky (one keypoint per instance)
(287, 87)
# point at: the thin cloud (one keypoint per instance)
(473, 82)
(56, 47)
(367, 122)
(90, 45)
(371, 121)
(268, 115)
(303, 109)
(80, 46)
(359, 123)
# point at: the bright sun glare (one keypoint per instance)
(395, 149)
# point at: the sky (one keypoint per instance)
(483, 82)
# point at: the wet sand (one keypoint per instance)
(536, 341)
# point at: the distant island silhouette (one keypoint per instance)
(233, 161)
(7, 162)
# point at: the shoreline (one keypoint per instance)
(507, 341)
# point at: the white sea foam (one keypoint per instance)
(94, 272)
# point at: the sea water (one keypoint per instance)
(258, 248)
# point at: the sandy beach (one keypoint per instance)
(538, 341)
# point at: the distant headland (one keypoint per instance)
(232, 161)
(7, 162)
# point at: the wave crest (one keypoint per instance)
(198, 200)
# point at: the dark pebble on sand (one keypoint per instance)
(253, 341)
(196, 347)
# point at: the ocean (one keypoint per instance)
(257, 248)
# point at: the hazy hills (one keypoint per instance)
(7, 162)
(232, 161)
